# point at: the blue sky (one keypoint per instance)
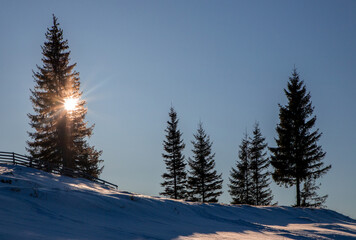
(222, 62)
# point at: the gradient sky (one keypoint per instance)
(225, 63)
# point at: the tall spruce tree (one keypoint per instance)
(261, 193)
(60, 131)
(297, 156)
(204, 184)
(175, 178)
(240, 177)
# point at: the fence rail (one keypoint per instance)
(18, 159)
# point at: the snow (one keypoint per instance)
(39, 205)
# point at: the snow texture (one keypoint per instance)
(39, 205)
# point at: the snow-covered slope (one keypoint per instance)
(39, 205)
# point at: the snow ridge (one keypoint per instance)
(40, 205)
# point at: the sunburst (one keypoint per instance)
(70, 104)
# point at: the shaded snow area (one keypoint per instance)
(39, 205)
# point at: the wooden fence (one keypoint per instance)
(18, 159)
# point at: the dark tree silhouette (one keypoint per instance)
(60, 130)
(175, 178)
(309, 196)
(204, 184)
(240, 177)
(297, 156)
(261, 193)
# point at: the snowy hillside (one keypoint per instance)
(38, 205)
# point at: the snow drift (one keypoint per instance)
(39, 205)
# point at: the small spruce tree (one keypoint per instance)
(204, 184)
(297, 156)
(261, 193)
(60, 132)
(240, 177)
(175, 178)
(309, 195)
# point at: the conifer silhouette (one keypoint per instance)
(175, 178)
(60, 134)
(297, 156)
(240, 177)
(261, 193)
(204, 184)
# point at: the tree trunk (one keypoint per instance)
(175, 182)
(298, 192)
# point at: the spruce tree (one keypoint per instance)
(240, 177)
(309, 195)
(261, 193)
(297, 156)
(60, 132)
(175, 178)
(204, 184)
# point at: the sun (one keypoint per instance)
(70, 104)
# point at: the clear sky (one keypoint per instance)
(225, 63)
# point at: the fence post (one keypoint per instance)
(30, 161)
(13, 158)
